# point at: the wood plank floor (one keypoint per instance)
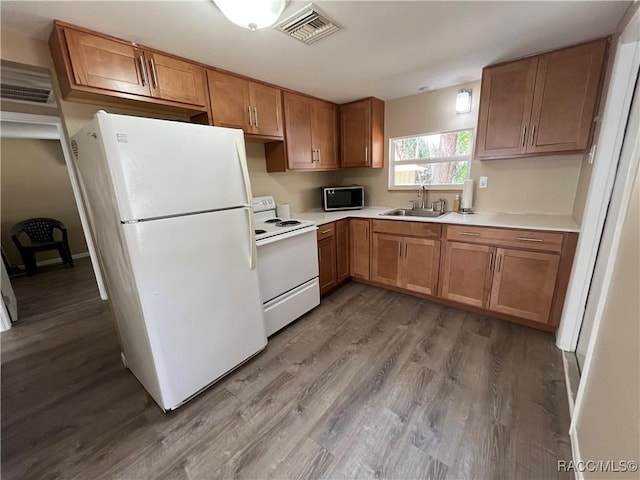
(372, 384)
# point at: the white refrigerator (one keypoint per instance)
(169, 206)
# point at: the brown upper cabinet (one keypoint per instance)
(362, 133)
(542, 104)
(91, 65)
(251, 106)
(312, 133)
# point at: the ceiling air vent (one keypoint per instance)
(26, 86)
(308, 25)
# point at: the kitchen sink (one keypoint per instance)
(418, 212)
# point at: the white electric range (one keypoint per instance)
(287, 265)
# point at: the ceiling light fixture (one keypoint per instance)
(251, 14)
(463, 101)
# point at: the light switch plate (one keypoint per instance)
(482, 183)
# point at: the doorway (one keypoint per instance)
(27, 137)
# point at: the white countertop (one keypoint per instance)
(563, 223)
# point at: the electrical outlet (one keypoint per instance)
(482, 183)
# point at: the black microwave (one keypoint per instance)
(342, 198)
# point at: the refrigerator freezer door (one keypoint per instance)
(162, 168)
(199, 297)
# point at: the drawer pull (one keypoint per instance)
(528, 239)
(326, 231)
(470, 234)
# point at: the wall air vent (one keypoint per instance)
(26, 86)
(308, 25)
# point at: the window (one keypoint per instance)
(438, 159)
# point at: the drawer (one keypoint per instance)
(408, 228)
(326, 231)
(529, 239)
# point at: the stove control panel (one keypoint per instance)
(260, 204)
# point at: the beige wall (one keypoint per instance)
(609, 422)
(544, 184)
(35, 183)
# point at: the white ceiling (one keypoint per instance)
(386, 49)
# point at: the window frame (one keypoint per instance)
(440, 186)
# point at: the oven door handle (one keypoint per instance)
(283, 236)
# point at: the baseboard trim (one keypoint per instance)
(571, 378)
(575, 451)
(55, 261)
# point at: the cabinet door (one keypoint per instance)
(421, 264)
(355, 124)
(505, 108)
(229, 100)
(103, 63)
(298, 112)
(524, 283)
(325, 134)
(359, 248)
(327, 264)
(176, 80)
(565, 98)
(267, 109)
(466, 275)
(386, 258)
(342, 249)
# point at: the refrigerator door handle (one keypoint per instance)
(253, 249)
(242, 156)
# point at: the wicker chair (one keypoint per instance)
(40, 234)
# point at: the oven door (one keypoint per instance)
(287, 261)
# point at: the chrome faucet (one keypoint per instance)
(422, 195)
(443, 205)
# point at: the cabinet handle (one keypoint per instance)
(499, 264)
(470, 234)
(250, 116)
(154, 74)
(528, 239)
(326, 231)
(491, 261)
(255, 115)
(366, 232)
(399, 249)
(143, 71)
(366, 155)
(319, 255)
(524, 135)
(318, 154)
(533, 134)
(406, 248)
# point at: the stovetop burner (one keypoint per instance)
(287, 223)
(260, 231)
(273, 220)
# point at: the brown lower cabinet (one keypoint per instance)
(518, 275)
(342, 249)
(359, 248)
(405, 262)
(333, 254)
(520, 283)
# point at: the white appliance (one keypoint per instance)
(287, 265)
(169, 206)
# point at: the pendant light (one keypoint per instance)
(251, 14)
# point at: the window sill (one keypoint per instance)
(441, 188)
